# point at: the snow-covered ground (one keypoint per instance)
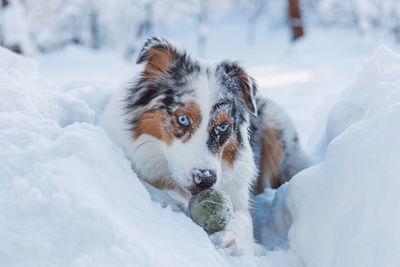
(68, 196)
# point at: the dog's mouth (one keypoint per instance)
(194, 190)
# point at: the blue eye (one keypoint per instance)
(223, 127)
(183, 120)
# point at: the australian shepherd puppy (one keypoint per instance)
(188, 125)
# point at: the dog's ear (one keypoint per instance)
(158, 54)
(249, 90)
(247, 84)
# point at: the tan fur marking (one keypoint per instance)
(271, 156)
(245, 80)
(152, 123)
(246, 89)
(223, 118)
(230, 150)
(157, 124)
(192, 111)
(157, 62)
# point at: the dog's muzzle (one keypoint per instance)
(203, 179)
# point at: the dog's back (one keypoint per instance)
(277, 152)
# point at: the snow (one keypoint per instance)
(69, 197)
(344, 211)
(272, 218)
(351, 199)
(373, 88)
(349, 202)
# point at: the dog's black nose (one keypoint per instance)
(204, 178)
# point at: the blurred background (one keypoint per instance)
(303, 53)
(30, 26)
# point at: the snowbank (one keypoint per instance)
(68, 196)
(346, 210)
(376, 84)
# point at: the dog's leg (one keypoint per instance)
(276, 144)
(238, 233)
(270, 158)
(165, 199)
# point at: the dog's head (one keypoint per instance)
(197, 111)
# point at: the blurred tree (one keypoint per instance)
(6, 27)
(94, 28)
(255, 8)
(203, 27)
(146, 26)
(4, 3)
(124, 24)
(295, 19)
(140, 28)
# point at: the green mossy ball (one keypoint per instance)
(211, 209)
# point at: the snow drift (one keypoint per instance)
(346, 210)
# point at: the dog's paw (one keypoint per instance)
(175, 205)
(227, 240)
(165, 200)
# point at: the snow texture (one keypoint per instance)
(345, 210)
